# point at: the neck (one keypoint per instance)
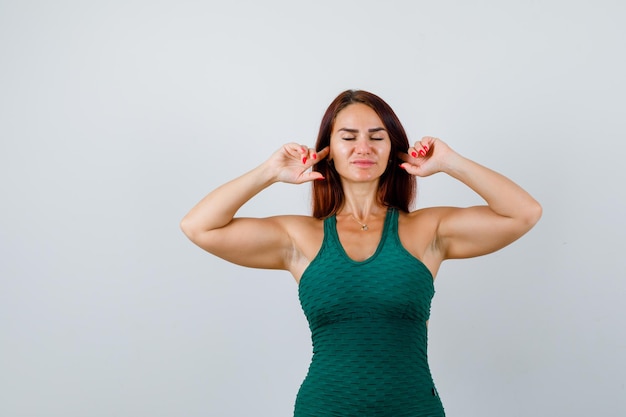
(362, 202)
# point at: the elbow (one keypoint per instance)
(533, 214)
(187, 227)
(205, 239)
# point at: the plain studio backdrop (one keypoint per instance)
(116, 117)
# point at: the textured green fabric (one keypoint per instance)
(368, 328)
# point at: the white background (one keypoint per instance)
(116, 117)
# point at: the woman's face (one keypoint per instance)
(359, 144)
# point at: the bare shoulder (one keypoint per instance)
(303, 228)
(298, 224)
(423, 219)
(296, 219)
(307, 235)
(418, 234)
(419, 225)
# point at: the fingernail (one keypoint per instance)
(422, 153)
(426, 148)
(304, 160)
(314, 156)
(414, 154)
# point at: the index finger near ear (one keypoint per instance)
(404, 157)
(322, 153)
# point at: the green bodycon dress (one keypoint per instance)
(368, 327)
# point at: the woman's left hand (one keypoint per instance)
(472, 231)
(426, 157)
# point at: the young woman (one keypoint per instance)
(364, 262)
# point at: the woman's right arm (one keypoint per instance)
(252, 242)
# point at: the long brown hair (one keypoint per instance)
(396, 187)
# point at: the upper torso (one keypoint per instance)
(368, 326)
(416, 231)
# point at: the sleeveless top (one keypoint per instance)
(368, 329)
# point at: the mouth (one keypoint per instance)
(363, 163)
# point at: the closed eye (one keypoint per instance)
(377, 138)
(348, 138)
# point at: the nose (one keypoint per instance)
(362, 146)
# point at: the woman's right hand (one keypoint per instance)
(254, 242)
(292, 162)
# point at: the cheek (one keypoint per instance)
(386, 151)
(336, 151)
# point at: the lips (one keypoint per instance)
(365, 163)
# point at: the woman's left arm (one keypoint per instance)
(473, 231)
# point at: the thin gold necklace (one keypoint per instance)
(363, 225)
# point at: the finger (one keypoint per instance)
(416, 150)
(405, 157)
(321, 154)
(310, 176)
(294, 150)
(304, 153)
(312, 156)
(427, 143)
(412, 165)
(422, 147)
(410, 168)
(314, 175)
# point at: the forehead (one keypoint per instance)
(356, 116)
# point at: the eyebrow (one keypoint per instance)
(372, 130)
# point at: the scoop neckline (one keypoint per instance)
(379, 247)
